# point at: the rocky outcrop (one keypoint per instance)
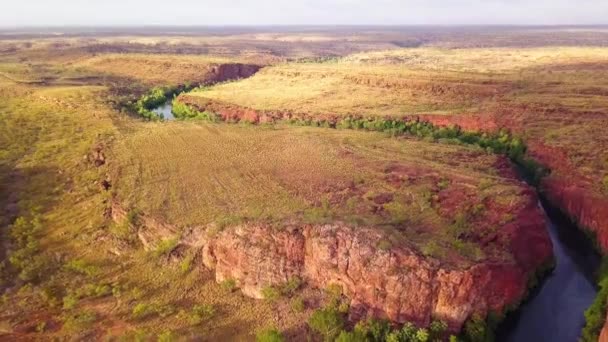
(231, 71)
(395, 282)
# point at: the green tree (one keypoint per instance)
(328, 322)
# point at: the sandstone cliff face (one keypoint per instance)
(398, 283)
(232, 71)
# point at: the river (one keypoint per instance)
(555, 310)
(165, 110)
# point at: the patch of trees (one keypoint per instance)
(596, 314)
(156, 97)
(183, 111)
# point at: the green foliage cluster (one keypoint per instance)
(328, 322)
(81, 267)
(595, 315)
(198, 314)
(288, 289)
(165, 247)
(154, 98)
(183, 111)
(381, 330)
(271, 293)
(269, 335)
(298, 305)
(229, 285)
(76, 322)
(144, 310)
(26, 256)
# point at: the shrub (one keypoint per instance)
(26, 256)
(69, 302)
(165, 247)
(476, 330)
(142, 310)
(228, 285)
(605, 183)
(443, 184)
(269, 335)
(80, 321)
(595, 315)
(298, 305)
(164, 310)
(437, 330)
(271, 293)
(166, 336)
(200, 313)
(291, 286)
(186, 265)
(81, 267)
(328, 322)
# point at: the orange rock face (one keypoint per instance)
(397, 283)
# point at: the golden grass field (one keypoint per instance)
(552, 95)
(192, 174)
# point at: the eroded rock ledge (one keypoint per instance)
(398, 282)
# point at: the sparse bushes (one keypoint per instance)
(186, 265)
(142, 310)
(198, 314)
(476, 329)
(229, 285)
(327, 322)
(183, 111)
(165, 247)
(298, 305)
(291, 286)
(79, 321)
(269, 335)
(26, 256)
(595, 315)
(69, 302)
(81, 267)
(380, 331)
(271, 293)
(166, 336)
(145, 310)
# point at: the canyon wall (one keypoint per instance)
(398, 282)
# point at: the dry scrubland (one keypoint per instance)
(76, 273)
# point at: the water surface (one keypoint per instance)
(165, 110)
(555, 310)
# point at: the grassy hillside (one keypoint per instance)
(189, 175)
(551, 96)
